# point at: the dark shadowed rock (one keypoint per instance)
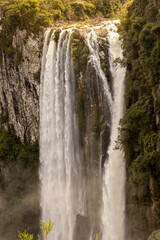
(81, 228)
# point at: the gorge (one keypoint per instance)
(61, 68)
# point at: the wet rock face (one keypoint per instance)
(94, 120)
(81, 228)
(19, 86)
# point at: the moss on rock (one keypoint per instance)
(80, 51)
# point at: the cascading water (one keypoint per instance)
(92, 42)
(113, 216)
(60, 172)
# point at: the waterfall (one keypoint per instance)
(61, 155)
(92, 43)
(113, 216)
(60, 171)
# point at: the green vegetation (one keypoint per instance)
(12, 150)
(80, 53)
(98, 122)
(81, 98)
(30, 15)
(140, 127)
(46, 229)
(57, 34)
(18, 186)
(96, 237)
(20, 12)
(25, 236)
(78, 10)
(25, 14)
(37, 75)
(104, 57)
(155, 235)
(88, 102)
(35, 15)
(4, 117)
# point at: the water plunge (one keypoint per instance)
(61, 172)
(113, 216)
(63, 191)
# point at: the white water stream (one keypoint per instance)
(92, 43)
(113, 214)
(60, 173)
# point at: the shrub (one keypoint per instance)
(58, 5)
(20, 13)
(13, 17)
(156, 29)
(155, 54)
(19, 187)
(80, 51)
(57, 15)
(37, 74)
(98, 121)
(138, 23)
(90, 8)
(145, 37)
(12, 149)
(78, 8)
(46, 228)
(56, 35)
(140, 125)
(25, 236)
(81, 98)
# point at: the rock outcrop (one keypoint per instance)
(81, 228)
(93, 118)
(19, 86)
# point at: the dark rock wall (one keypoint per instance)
(19, 86)
(93, 112)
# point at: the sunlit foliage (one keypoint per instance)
(18, 186)
(46, 229)
(140, 127)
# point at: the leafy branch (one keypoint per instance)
(46, 228)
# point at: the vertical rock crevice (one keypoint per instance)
(19, 88)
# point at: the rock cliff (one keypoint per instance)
(19, 88)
